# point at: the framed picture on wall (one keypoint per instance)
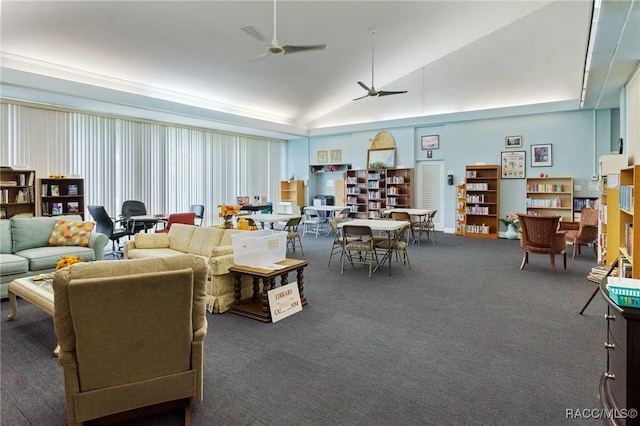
(430, 142)
(381, 158)
(513, 142)
(323, 156)
(513, 165)
(336, 156)
(541, 155)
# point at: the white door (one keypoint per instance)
(430, 189)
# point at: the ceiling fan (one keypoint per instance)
(274, 46)
(371, 91)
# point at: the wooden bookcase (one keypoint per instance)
(356, 193)
(61, 196)
(17, 192)
(629, 208)
(399, 188)
(461, 203)
(369, 192)
(482, 201)
(608, 211)
(292, 191)
(550, 196)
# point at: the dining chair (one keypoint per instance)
(398, 245)
(109, 227)
(344, 213)
(293, 235)
(312, 222)
(198, 209)
(430, 227)
(338, 244)
(184, 218)
(540, 235)
(358, 246)
(407, 218)
(583, 232)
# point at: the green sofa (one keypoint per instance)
(25, 250)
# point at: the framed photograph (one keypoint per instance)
(513, 142)
(55, 190)
(73, 207)
(336, 156)
(513, 165)
(430, 142)
(381, 158)
(541, 155)
(56, 208)
(323, 156)
(73, 190)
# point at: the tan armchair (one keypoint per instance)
(131, 335)
(540, 235)
(583, 232)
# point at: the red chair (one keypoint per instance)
(185, 218)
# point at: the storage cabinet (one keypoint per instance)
(17, 192)
(61, 196)
(460, 209)
(292, 191)
(482, 201)
(550, 196)
(629, 208)
(620, 382)
(399, 188)
(376, 190)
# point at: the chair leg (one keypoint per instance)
(564, 259)
(525, 260)
(553, 262)
(300, 242)
(574, 250)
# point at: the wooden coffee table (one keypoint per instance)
(38, 293)
(258, 306)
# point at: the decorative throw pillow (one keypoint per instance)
(71, 233)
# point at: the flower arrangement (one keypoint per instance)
(511, 219)
(227, 211)
(67, 261)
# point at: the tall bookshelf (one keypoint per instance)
(461, 202)
(60, 196)
(292, 191)
(608, 211)
(550, 196)
(17, 192)
(369, 192)
(356, 193)
(399, 188)
(482, 201)
(629, 208)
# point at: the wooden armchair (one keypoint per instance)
(131, 336)
(583, 232)
(540, 235)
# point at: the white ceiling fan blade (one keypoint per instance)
(259, 57)
(364, 86)
(361, 97)
(254, 33)
(303, 48)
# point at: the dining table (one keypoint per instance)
(272, 218)
(391, 227)
(149, 219)
(421, 214)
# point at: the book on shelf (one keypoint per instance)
(30, 179)
(22, 180)
(55, 190)
(73, 207)
(8, 183)
(72, 190)
(56, 208)
(45, 209)
(626, 269)
(44, 190)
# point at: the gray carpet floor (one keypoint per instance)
(463, 338)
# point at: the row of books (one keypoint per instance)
(585, 203)
(58, 208)
(628, 237)
(626, 197)
(25, 195)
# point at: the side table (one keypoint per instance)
(258, 306)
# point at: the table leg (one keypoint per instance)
(300, 278)
(14, 306)
(267, 284)
(256, 287)
(237, 288)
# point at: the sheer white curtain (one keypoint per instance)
(167, 167)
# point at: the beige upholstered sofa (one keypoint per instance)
(131, 335)
(213, 244)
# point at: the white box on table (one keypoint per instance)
(259, 248)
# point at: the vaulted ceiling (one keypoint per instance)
(191, 58)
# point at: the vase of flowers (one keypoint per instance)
(513, 223)
(227, 211)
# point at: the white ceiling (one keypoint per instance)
(191, 58)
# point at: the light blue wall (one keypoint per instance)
(578, 139)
